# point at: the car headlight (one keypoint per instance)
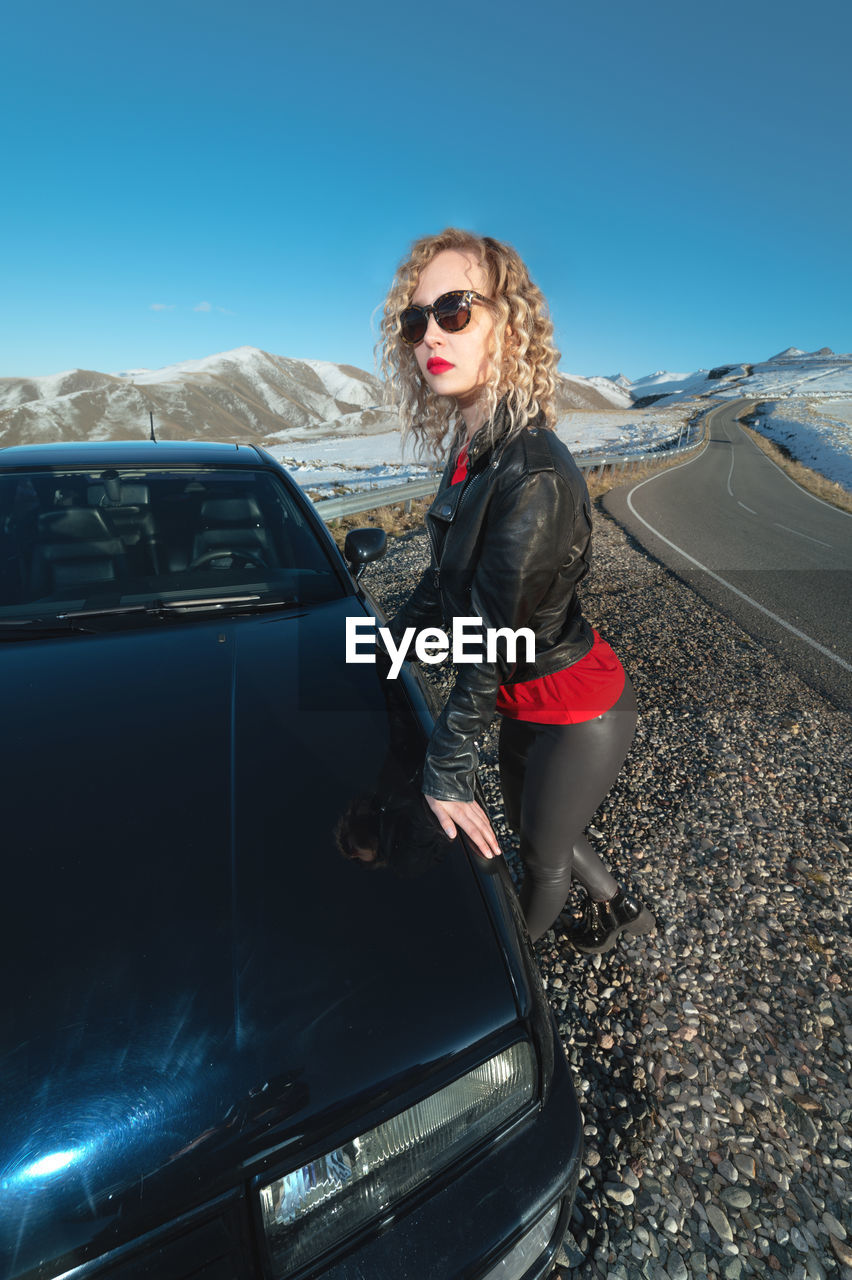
(313, 1208)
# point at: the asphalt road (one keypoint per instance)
(761, 549)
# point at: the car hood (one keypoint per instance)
(199, 981)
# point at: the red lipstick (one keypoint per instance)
(437, 365)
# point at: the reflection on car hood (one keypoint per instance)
(197, 975)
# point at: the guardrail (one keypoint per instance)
(591, 465)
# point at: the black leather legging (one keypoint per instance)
(553, 778)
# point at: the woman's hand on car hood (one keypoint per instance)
(473, 820)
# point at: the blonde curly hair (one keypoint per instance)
(523, 357)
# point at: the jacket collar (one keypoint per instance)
(484, 442)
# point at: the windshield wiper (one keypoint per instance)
(75, 621)
(204, 602)
(221, 604)
(192, 604)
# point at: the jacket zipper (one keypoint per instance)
(436, 571)
(468, 485)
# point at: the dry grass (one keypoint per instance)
(828, 490)
(395, 520)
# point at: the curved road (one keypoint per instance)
(773, 557)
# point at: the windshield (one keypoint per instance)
(121, 538)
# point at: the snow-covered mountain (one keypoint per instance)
(790, 373)
(241, 395)
(591, 393)
(248, 395)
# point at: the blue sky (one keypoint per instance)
(676, 176)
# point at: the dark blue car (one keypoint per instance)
(261, 1019)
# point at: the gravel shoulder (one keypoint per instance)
(712, 1058)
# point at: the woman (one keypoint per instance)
(467, 346)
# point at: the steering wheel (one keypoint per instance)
(243, 556)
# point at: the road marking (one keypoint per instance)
(731, 472)
(847, 666)
(802, 535)
(785, 527)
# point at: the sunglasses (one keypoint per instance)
(452, 312)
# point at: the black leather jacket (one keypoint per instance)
(509, 546)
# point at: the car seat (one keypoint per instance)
(232, 524)
(74, 548)
(126, 509)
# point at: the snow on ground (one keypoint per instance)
(663, 383)
(818, 433)
(622, 431)
(797, 375)
(837, 412)
(362, 461)
(790, 373)
(355, 461)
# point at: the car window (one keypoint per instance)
(74, 539)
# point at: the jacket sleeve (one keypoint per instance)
(529, 525)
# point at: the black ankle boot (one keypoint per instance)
(601, 924)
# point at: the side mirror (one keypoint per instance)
(362, 546)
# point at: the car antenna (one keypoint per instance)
(151, 419)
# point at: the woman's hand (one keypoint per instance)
(472, 819)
